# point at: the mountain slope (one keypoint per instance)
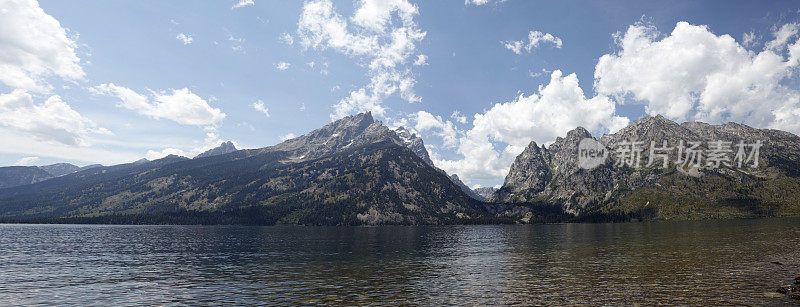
(352, 171)
(60, 169)
(12, 176)
(552, 175)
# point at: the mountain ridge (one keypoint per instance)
(552, 175)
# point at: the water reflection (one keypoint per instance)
(673, 263)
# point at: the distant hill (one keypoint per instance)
(12, 176)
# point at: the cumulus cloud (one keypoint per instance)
(443, 128)
(381, 33)
(283, 65)
(53, 120)
(243, 3)
(260, 107)
(498, 135)
(535, 38)
(185, 39)
(181, 106)
(26, 161)
(35, 46)
(694, 74)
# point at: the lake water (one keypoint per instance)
(668, 262)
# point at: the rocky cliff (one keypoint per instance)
(621, 190)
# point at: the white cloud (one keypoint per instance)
(286, 38)
(243, 3)
(458, 117)
(181, 106)
(421, 60)
(693, 74)
(34, 46)
(155, 155)
(476, 2)
(375, 36)
(18, 143)
(783, 35)
(444, 129)
(237, 43)
(288, 136)
(543, 72)
(535, 38)
(260, 107)
(501, 133)
(283, 65)
(211, 140)
(749, 39)
(26, 161)
(302, 107)
(185, 39)
(54, 120)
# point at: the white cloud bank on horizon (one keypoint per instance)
(52, 120)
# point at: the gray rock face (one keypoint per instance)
(464, 187)
(224, 148)
(485, 192)
(552, 174)
(348, 132)
(527, 175)
(413, 142)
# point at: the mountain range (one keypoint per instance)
(551, 175)
(357, 171)
(351, 171)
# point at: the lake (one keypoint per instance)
(701, 262)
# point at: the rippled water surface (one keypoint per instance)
(670, 262)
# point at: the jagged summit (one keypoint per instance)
(224, 148)
(347, 133)
(413, 142)
(553, 174)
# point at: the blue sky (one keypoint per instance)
(245, 82)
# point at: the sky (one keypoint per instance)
(115, 81)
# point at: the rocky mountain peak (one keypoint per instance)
(224, 148)
(553, 174)
(413, 142)
(346, 133)
(528, 172)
